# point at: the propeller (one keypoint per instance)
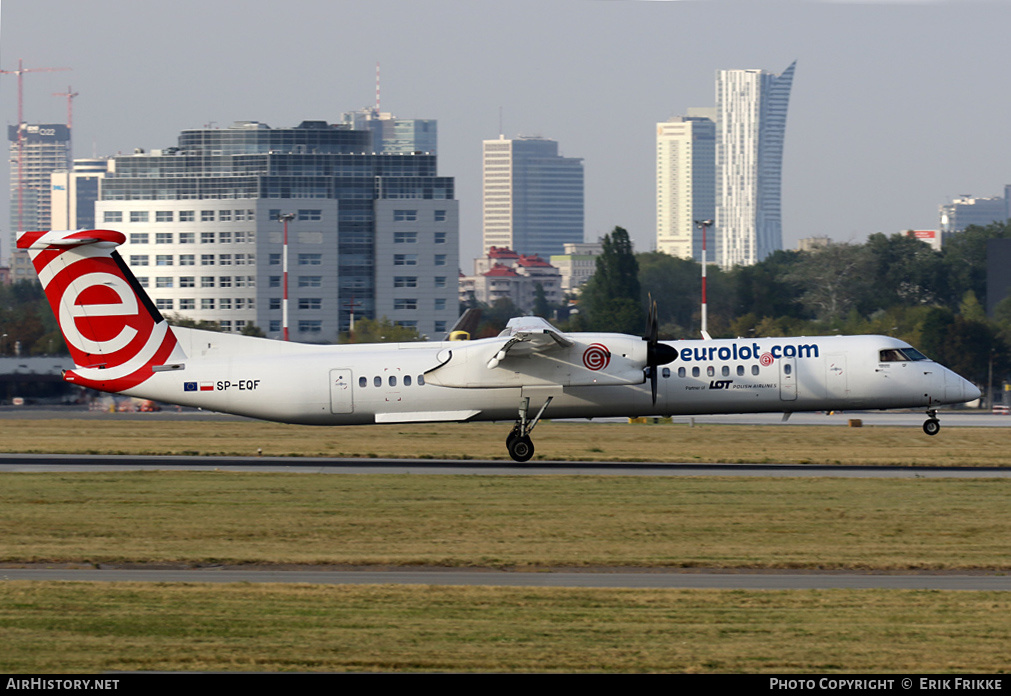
(656, 353)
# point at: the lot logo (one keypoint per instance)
(720, 383)
(596, 357)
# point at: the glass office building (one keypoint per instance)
(533, 197)
(751, 108)
(36, 151)
(201, 220)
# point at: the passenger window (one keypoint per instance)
(726, 370)
(393, 380)
(362, 382)
(407, 380)
(421, 380)
(695, 372)
(787, 368)
(711, 371)
(681, 372)
(378, 381)
(666, 372)
(740, 370)
(754, 369)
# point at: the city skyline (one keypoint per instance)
(879, 116)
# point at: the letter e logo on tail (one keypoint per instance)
(114, 333)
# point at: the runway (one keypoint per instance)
(611, 579)
(38, 463)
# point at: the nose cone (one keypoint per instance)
(970, 391)
(958, 390)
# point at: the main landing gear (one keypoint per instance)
(518, 442)
(931, 426)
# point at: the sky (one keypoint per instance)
(896, 108)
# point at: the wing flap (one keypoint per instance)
(426, 416)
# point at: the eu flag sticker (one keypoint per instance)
(189, 386)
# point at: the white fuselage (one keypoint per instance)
(387, 383)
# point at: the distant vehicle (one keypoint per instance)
(120, 343)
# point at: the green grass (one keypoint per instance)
(554, 441)
(100, 627)
(498, 521)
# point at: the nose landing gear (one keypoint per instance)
(931, 426)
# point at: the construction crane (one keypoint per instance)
(69, 94)
(20, 72)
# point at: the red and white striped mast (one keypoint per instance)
(704, 224)
(285, 218)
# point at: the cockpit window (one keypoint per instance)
(901, 355)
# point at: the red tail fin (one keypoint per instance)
(114, 332)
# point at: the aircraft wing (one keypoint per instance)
(527, 335)
(530, 352)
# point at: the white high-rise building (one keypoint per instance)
(751, 110)
(685, 183)
(533, 197)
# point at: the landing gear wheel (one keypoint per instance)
(931, 426)
(520, 448)
(511, 437)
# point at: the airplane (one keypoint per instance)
(120, 343)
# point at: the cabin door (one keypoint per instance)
(788, 379)
(341, 399)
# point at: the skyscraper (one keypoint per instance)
(533, 197)
(372, 233)
(685, 183)
(751, 110)
(396, 135)
(43, 149)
